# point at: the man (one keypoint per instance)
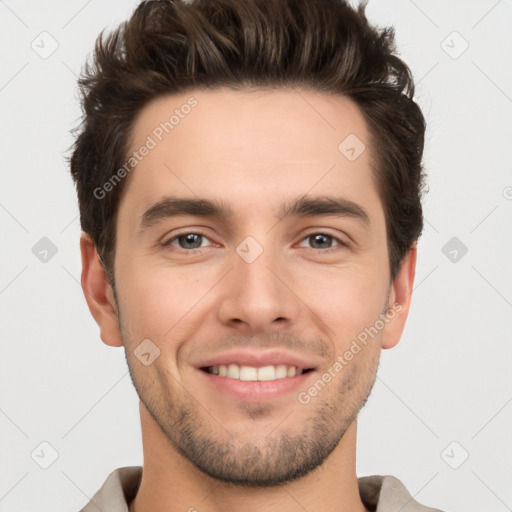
(249, 177)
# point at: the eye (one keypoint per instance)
(194, 240)
(324, 242)
(187, 241)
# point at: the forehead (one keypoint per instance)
(249, 146)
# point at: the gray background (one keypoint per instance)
(443, 394)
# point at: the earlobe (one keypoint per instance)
(400, 299)
(98, 293)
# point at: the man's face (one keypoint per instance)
(255, 288)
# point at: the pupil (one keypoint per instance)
(191, 238)
(322, 239)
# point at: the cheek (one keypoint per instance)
(159, 302)
(347, 300)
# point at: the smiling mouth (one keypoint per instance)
(252, 373)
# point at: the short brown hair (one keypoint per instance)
(171, 46)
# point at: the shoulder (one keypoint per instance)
(119, 489)
(388, 493)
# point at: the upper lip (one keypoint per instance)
(258, 359)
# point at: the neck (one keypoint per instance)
(170, 482)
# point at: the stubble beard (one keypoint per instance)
(283, 455)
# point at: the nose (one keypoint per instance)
(258, 295)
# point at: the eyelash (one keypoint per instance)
(330, 250)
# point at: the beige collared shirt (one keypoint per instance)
(378, 493)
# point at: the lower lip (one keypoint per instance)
(257, 391)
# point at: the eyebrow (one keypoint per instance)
(171, 206)
(305, 206)
(324, 205)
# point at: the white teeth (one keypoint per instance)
(251, 373)
(291, 371)
(267, 373)
(282, 370)
(233, 371)
(248, 373)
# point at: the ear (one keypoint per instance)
(98, 293)
(399, 299)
